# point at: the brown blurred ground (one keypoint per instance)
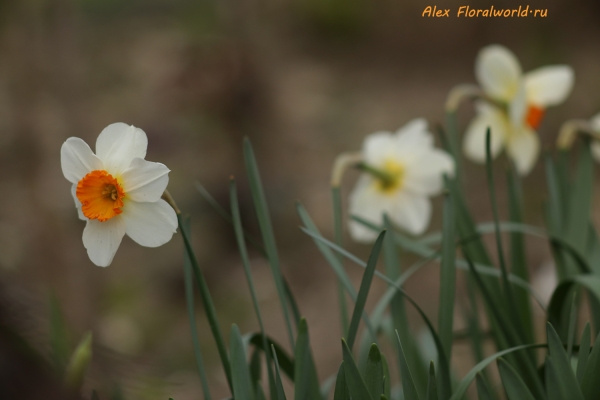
(304, 79)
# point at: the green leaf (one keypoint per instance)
(464, 384)
(356, 385)
(305, 379)
(572, 325)
(209, 306)
(443, 361)
(240, 375)
(511, 301)
(374, 375)
(484, 391)
(560, 296)
(513, 384)
(189, 299)
(408, 385)
(447, 278)
(255, 368)
(280, 393)
(341, 389)
(338, 234)
(432, 390)
(398, 310)
(240, 239)
(562, 365)
(589, 383)
(553, 387)
(311, 229)
(285, 361)
(581, 200)
(363, 292)
(260, 394)
(79, 363)
(387, 384)
(518, 262)
(266, 228)
(584, 352)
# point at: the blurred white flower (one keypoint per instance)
(403, 170)
(116, 191)
(595, 126)
(522, 100)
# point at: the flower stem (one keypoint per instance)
(169, 199)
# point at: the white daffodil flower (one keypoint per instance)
(595, 146)
(403, 170)
(117, 192)
(522, 100)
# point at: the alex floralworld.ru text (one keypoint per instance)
(469, 12)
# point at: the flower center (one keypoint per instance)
(391, 178)
(101, 195)
(534, 116)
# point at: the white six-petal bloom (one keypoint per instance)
(525, 98)
(595, 146)
(117, 192)
(415, 169)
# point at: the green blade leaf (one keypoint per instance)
(398, 311)
(447, 278)
(513, 384)
(464, 384)
(338, 233)
(209, 306)
(589, 383)
(432, 390)
(374, 375)
(363, 292)
(562, 365)
(306, 382)
(518, 262)
(240, 375)
(584, 352)
(484, 391)
(266, 228)
(553, 387)
(387, 384)
(189, 299)
(285, 361)
(341, 389)
(356, 385)
(408, 385)
(239, 235)
(280, 393)
(255, 368)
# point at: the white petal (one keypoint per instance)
(377, 147)
(425, 175)
(549, 86)
(102, 239)
(411, 212)
(367, 203)
(498, 72)
(77, 159)
(145, 181)
(595, 146)
(517, 108)
(77, 203)
(524, 148)
(150, 224)
(414, 135)
(118, 144)
(595, 123)
(475, 136)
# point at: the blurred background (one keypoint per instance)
(305, 80)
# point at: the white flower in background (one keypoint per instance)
(117, 192)
(595, 146)
(522, 100)
(406, 169)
